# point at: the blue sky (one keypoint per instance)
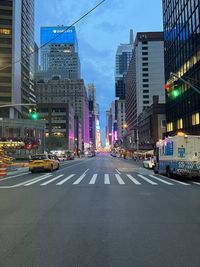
(99, 34)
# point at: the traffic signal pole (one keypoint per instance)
(13, 105)
(186, 82)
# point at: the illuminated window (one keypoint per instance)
(195, 119)
(180, 123)
(169, 127)
(5, 31)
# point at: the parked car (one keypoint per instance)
(149, 163)
(70, 155)
(43, 162)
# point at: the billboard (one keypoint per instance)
(58, 35)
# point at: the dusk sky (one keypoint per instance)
(99, 34)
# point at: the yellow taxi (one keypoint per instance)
(43, 162)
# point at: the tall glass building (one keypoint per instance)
(182, 57)
(60, 54)
(16, 44)
(122, 60)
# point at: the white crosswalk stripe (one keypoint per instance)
(80, 179)
(93, 180)
(147, 180)
(52, 180)
(38, 179)
(106, 179)
(133, 179)
(66, 179)
(196, 183)
(119, 179)
(161, 180)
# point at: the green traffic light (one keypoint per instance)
(175, 93)
(34, 116)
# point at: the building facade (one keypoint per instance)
(181, 23)
(145, 78)
(60, 55)
(69, 92)
(16, 44)
(59, 129)
(122, 60)
(92, 114)
(151, 125)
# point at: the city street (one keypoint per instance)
(99, 212)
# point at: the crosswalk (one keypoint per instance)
(106, 179)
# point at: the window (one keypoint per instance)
(145, 85)
(145, 74)
(145, 96)
(146, 91)
(145, 80)
(145, 58)
(145, 64)
(145, 48)
(5, 31)
(180, 124)
(195, 119)
(169, 127)
(144, 42)
(163, 123)
(145, 69)
(145, 102)
(144, 53)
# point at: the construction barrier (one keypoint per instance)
(2, 170)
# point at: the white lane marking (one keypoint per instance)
(66, 179)
(161, 180)
(13, 176)
(71, 166)
(147, 180)
(86, 171)
(80, 179)
(196, 183)
(33, 179)
(53, 179)
(106, 179)
(118, 171)
(93, 180)
(37, 180)
(179, 182)
(133, 179)
(119, 179)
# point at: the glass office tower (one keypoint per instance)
(60, 54)
(182, 57)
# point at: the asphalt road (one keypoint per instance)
(99, 212)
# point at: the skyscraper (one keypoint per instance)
(17, 42)
(182, 58)
(92, 113)
(145, 78)
(60, 55)
(122, 60)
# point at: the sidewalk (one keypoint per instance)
(17, 170)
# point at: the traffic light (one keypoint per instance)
(175, 91)
(172, 90)
(33, 114)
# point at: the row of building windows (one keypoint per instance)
(5, 31)
(179, 123)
